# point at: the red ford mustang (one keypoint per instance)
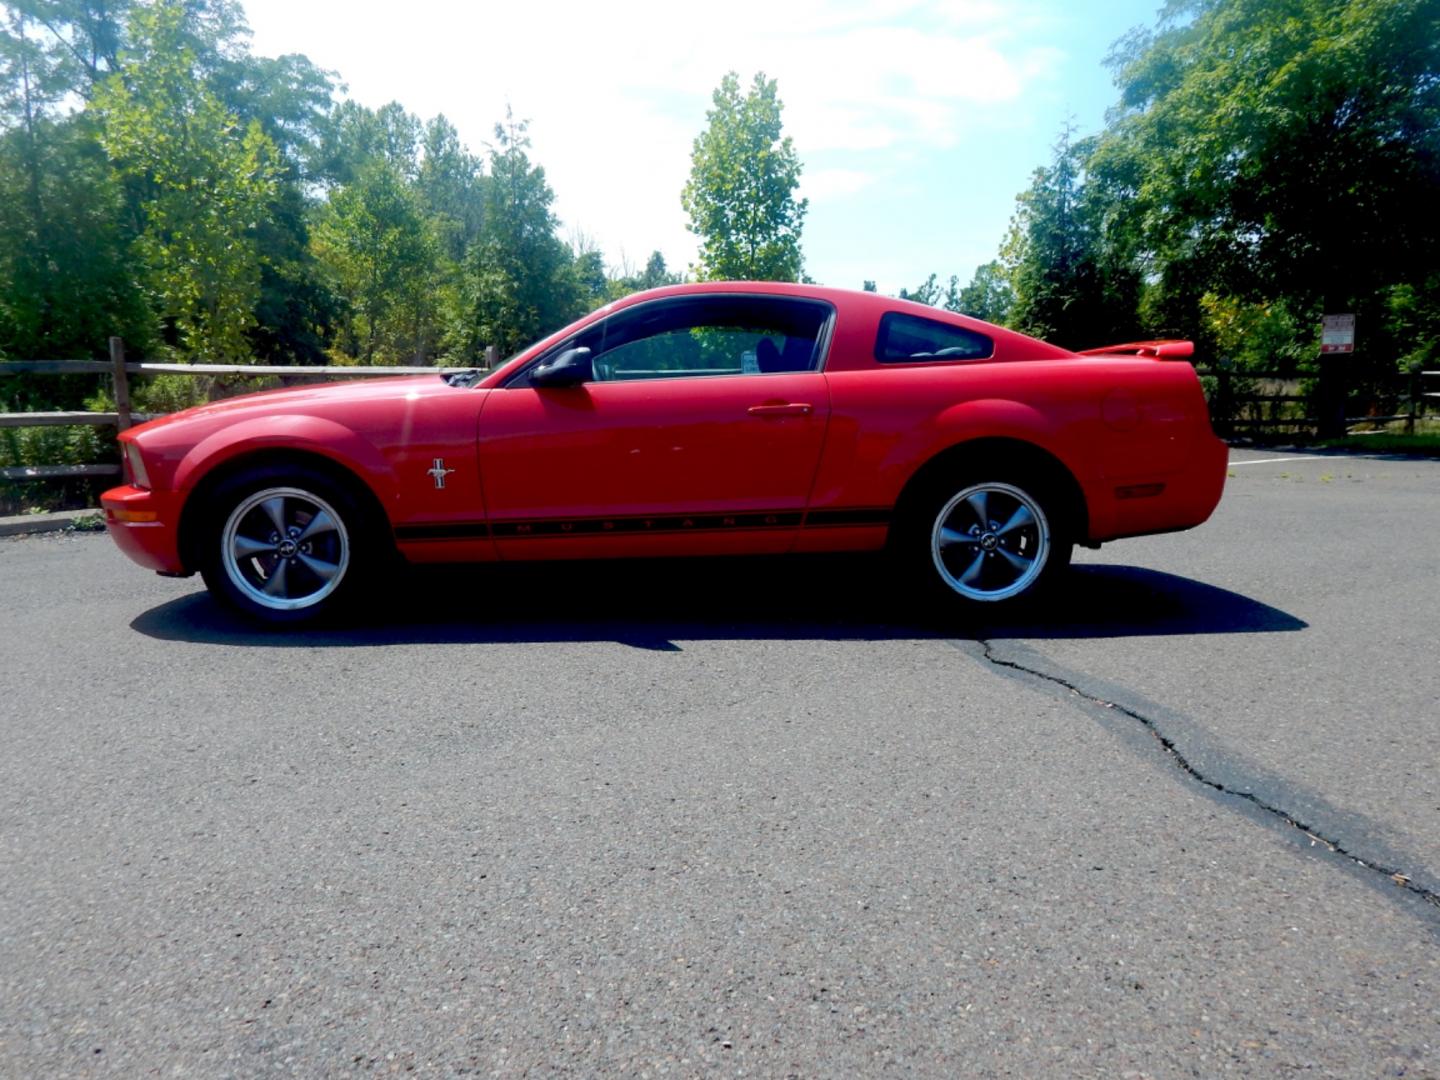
(723, 418)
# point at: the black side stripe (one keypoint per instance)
(669, 523)
(819, 519)
(464, 530)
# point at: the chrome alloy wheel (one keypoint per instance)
(990, 542)
(285, 548)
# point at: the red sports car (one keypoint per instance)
(713, 419)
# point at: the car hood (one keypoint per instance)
(307, 399)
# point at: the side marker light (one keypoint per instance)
(1139, 491)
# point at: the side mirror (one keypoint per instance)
(571, 368)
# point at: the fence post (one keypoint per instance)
(1332, 397)
(1224, 398)
(492, 356)
(122, 383)
(1417, 390)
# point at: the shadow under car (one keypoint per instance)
(653, 604)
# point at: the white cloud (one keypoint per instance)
(618, 92)
(831, 183)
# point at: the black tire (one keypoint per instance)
(286, 544)
(954, 559)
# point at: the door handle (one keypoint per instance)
(780, 408)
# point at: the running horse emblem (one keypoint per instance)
(439, 472)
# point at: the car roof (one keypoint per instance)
(855, 302)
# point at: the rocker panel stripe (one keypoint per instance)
(659, 524)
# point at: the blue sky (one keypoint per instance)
(917, 121)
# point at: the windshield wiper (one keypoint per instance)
(466, 377)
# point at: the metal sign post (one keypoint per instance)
(1337, 335)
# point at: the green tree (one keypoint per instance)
(741, 193)
(65, 275)
(451, 182)
(376, 245)
(35, 71)
(989, 295)
(1046, 254)
(64, 280)
(1068, 284)
(936, 295)
(653, 276)
(292, 100)
(85, 39)
(297, 311)
(173, 140)
(587, 271)
(656, 274)
(519, 283)
(1280, 153)
(1412, 321)
(355, 136)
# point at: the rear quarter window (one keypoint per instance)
(912, 339)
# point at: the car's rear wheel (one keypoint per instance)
(985, 543)
(284, 544)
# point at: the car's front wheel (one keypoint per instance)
(284, 545)
(985, 544)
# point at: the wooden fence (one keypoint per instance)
(1231, 392)
(1330, 408)
(120, 370)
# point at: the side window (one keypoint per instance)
(711, 335)
(910, 339)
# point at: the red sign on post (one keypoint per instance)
(1337, 334)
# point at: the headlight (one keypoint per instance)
(135, 466)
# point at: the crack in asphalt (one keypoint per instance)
(1181, 762)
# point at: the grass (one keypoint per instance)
(89, 523)
(1384, 439)
(1426, 445)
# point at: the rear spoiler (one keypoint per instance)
(1164, 349)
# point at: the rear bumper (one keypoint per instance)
(145, 525)
(1144, 503)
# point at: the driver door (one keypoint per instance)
(699, 433)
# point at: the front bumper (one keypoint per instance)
(146, 526)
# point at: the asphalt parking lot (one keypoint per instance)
(742, 819)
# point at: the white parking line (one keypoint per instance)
(1273, 460)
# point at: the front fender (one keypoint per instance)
(310, 434)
